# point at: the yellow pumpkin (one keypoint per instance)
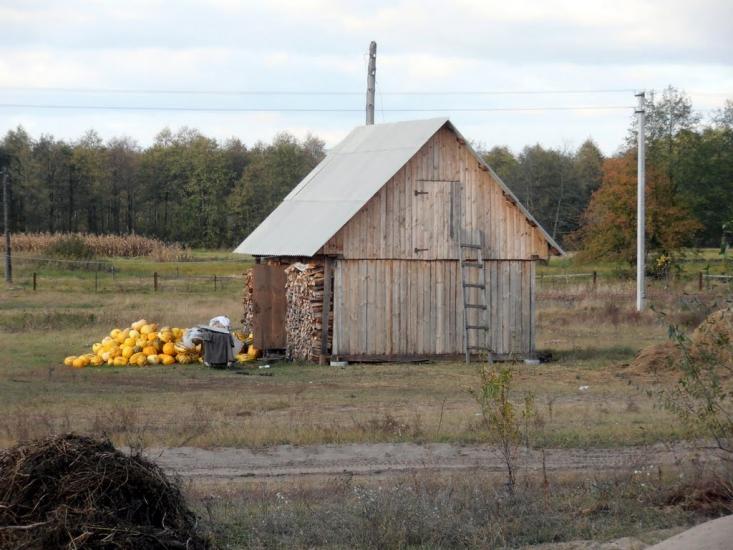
(69, 361)
(134, 333)
(96, 361)
(127, 351)
(78, 363)
(166, 336)
(166, 359)
(96, 347)
(150, 350)
(169, 348)
(153, 359)
(120, 361)
(137, 325)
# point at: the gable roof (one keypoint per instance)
(335, 190)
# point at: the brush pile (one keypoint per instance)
(249, 288)
(303, 322)
(70, 491)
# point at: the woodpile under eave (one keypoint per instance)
(304, 290)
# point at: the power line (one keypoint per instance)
(150, 91)
(302, 110)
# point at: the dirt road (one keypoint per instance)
(393, 458)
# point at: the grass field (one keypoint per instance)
(590, 332)
(584, 398)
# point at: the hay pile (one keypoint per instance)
(77, 492)
(714, 336)
(712, 340)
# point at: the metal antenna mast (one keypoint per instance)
(371, 82)
(640, 209)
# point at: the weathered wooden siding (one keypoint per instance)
(417, 215)
(403, 307)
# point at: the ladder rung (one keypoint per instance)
(477, 327)
(474, 306)
(468, 245)
(474, 285)
(472, 264)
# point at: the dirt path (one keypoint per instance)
(392, 458)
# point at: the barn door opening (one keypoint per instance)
(269, 306)
(435, 217)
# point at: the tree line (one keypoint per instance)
(184, 188)
(588, 202)
(197, 191)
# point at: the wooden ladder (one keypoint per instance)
(481, 328)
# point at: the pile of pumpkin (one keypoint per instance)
(140, 344)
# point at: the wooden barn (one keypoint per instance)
(401, 244)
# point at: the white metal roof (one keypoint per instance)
(338, 187)
(351, 174)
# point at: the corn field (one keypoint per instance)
(127, 246)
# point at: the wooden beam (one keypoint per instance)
(326, 306)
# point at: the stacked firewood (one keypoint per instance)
(248, 317)
(303, 322)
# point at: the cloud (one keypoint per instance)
(311, 45)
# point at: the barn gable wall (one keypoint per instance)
(440, 192)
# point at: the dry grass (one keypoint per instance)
(464, 510)
(308, 404)
(126, 246)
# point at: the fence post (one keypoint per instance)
(155, 281)
(214, 283)
(699, 280)
(595, 279)
(34, 281)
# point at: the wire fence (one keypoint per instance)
(703, 280)
(44, 274)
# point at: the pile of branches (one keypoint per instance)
(248, 316)
(303, 322)
(71, 491)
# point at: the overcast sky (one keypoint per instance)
(320, 46)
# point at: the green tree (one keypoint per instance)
(272, 173)
(26, 193)
(53, 168)
(123, 164)
(502, 161)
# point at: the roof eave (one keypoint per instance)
(554, 247)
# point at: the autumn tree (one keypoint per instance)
(609, 223)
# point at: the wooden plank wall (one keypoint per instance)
(442, 186)
(402, 307)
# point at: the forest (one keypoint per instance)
(190, 189)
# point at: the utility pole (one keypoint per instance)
(640, 209)
(6, 228)
(371, 82)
